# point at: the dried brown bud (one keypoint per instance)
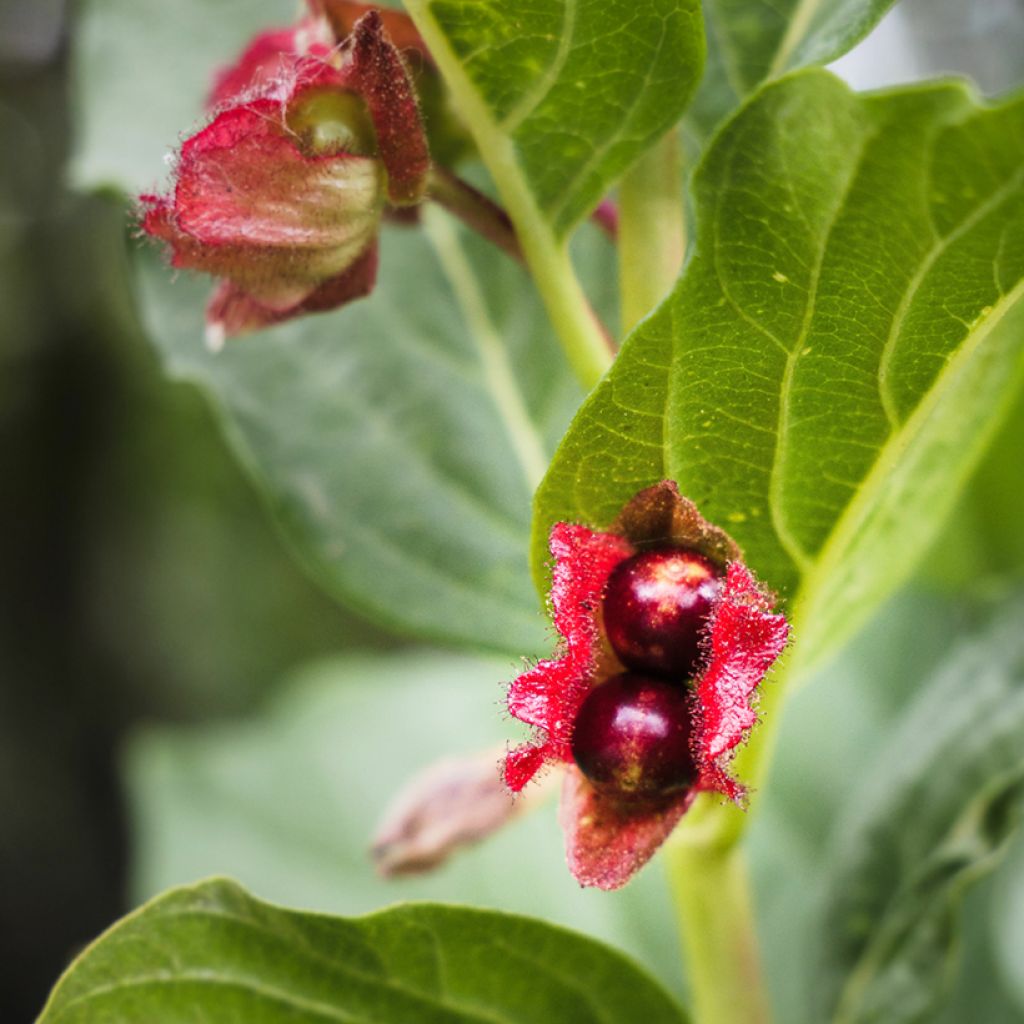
(453, 803)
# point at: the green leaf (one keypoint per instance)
(565, 95)
(287, 802)
(934, 815)
(399, 440)
(839, 351)
(753, 40)
(211, 953)
(1007, 934)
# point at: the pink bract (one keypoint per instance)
(607, 838)
(268, 58)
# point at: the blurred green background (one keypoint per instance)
(141, 578)
(178, 699)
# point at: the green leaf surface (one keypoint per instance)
(753, 40)
(840, 349)
(567, 93)
(211, 953)
(934, 814)
(287, 802)
(399, 439)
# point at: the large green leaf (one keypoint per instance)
(211, 953)
(934, 814)
(751, 40)
(839, 350)
(563, 96)
(399, 439)
(288, 801)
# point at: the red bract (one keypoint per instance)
(281, 194)
(268, 58)
(610, 836)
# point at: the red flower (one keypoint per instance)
(281, 194)
(610, 833)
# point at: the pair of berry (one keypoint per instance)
(631, 737)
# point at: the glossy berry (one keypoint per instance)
(631, 737)
(655, 609)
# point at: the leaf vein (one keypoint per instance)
(927, 263)
(534, 97)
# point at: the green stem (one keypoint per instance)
(712, 893)
(652, 229)
(716, 921)
(586, 343)
(584, 339)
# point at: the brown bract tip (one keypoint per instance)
(660, 515)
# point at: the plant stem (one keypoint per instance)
(585, 342)
(712, 894)
(652, 230)
(474, 209)
(716, 922)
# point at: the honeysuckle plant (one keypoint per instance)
(584, 326)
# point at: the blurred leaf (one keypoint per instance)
(1008, 924)
(142, 71)
(164, 497)
(830, 736)
(398, 439)
(839, 351)
(288, 803)
(751, 40)
(981, 991)
(983, 544)
(212, 953)
(934, 815)
(566, 95)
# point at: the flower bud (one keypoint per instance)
(451, 804)
(281, 195)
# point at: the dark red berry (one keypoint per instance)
(631, 737)
(655, 609)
